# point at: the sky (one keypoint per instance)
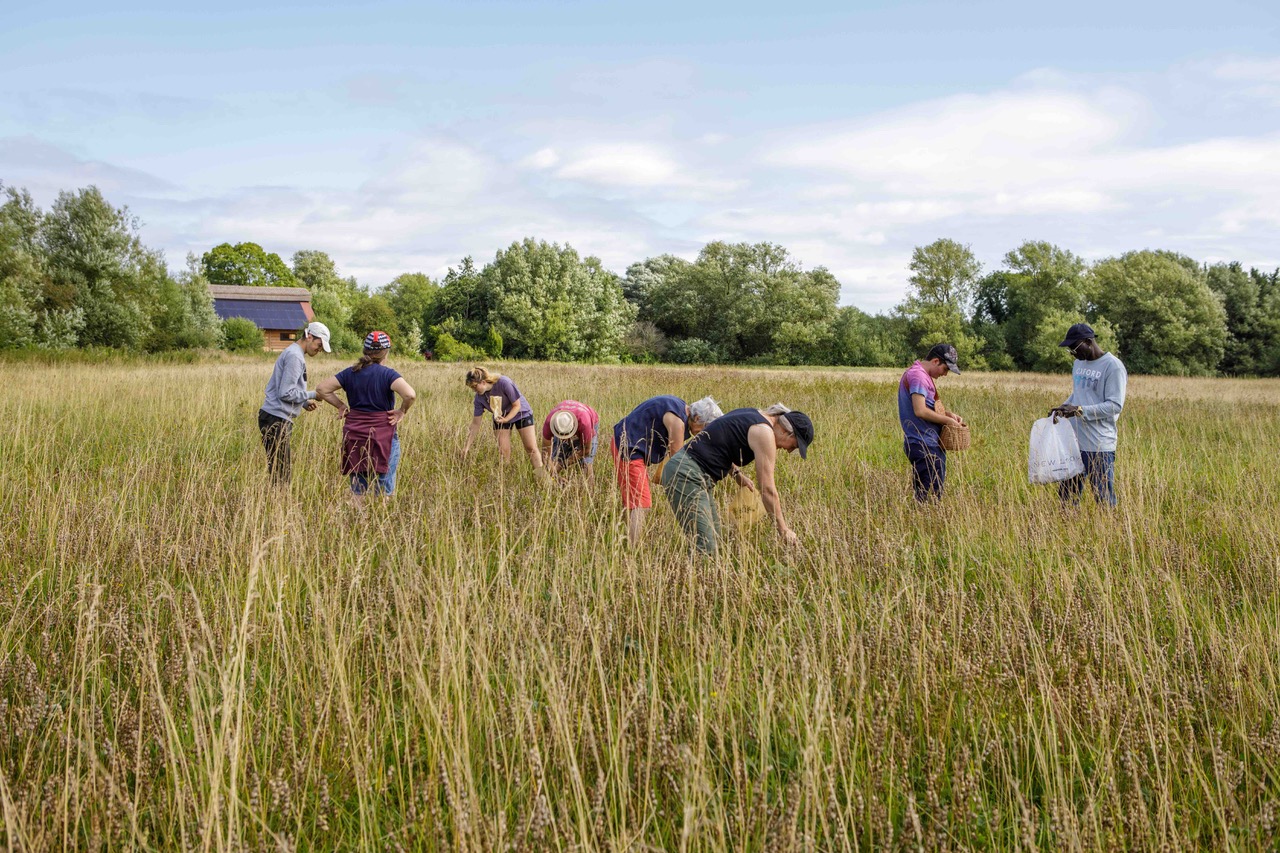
(402, 136)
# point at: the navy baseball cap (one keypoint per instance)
(947, 354)
(1077, 333)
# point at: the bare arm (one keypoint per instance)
(548, 459)
(472, 432)
(675, 432)
(509, 416)
(407, 398)
(760, 437)
(925, 413)
(327, 391)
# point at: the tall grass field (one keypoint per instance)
(191, 660)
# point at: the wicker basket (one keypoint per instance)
(955, 438)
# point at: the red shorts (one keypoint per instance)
(633, 480)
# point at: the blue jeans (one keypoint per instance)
(562, 449)
(928, 470)
(1100, 471)
(385, 484)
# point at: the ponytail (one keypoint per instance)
(479, 374)
(367, 358)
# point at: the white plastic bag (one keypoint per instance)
(1055, 453)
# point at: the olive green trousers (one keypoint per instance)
(688, 488)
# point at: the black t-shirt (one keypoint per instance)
(723, 443)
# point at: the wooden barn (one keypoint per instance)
(280, 312)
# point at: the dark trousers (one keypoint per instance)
(275, 440)
(1099, 471)
(928, 470)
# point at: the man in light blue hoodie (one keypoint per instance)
(1098, 380)
(286, 397)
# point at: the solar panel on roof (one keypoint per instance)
(265, 315)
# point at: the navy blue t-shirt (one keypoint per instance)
(369, 389)
(724, 443)
(644, 432)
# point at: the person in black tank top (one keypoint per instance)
(728, 444)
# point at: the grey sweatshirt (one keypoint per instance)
(1099, 388)
(287, 388)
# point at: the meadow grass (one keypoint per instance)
(191, 659)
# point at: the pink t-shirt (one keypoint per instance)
(917, 381)
(588, 420)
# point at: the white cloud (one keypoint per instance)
(1248, 70)
(432, 169)
(1084, 162)
(543, 158)
(637, 167)
(46, 168)
(621, 165)
(965, 144)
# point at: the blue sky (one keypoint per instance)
(402, 136)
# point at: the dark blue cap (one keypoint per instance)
(1077, 333)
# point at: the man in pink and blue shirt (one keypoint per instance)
(922, 423)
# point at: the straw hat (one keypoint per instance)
(564, 424)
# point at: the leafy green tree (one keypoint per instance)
(1043, 345)
(97, 263)
(332, 297)
(60, 328)
(182, 315)
(449, 348)
(374, 313)
(493, 343)
(241, 335)
(316, 271)
(245, 264)
(1167, 319)
(410, 295)
(548, 303)
(1252, 304)
(643, 276)
(944, 273)
(1040, 279)
(22, 273)
(927, 325)
(744, 302)
(863, 340)
(645, 343)
(694, 351)
(461, 307)
(942, 285)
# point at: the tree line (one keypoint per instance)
(78, 275)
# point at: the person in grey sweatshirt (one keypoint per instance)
(286, 397)
(1098, 380)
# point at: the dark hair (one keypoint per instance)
(368, 357)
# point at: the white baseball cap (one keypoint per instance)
(321, 331)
